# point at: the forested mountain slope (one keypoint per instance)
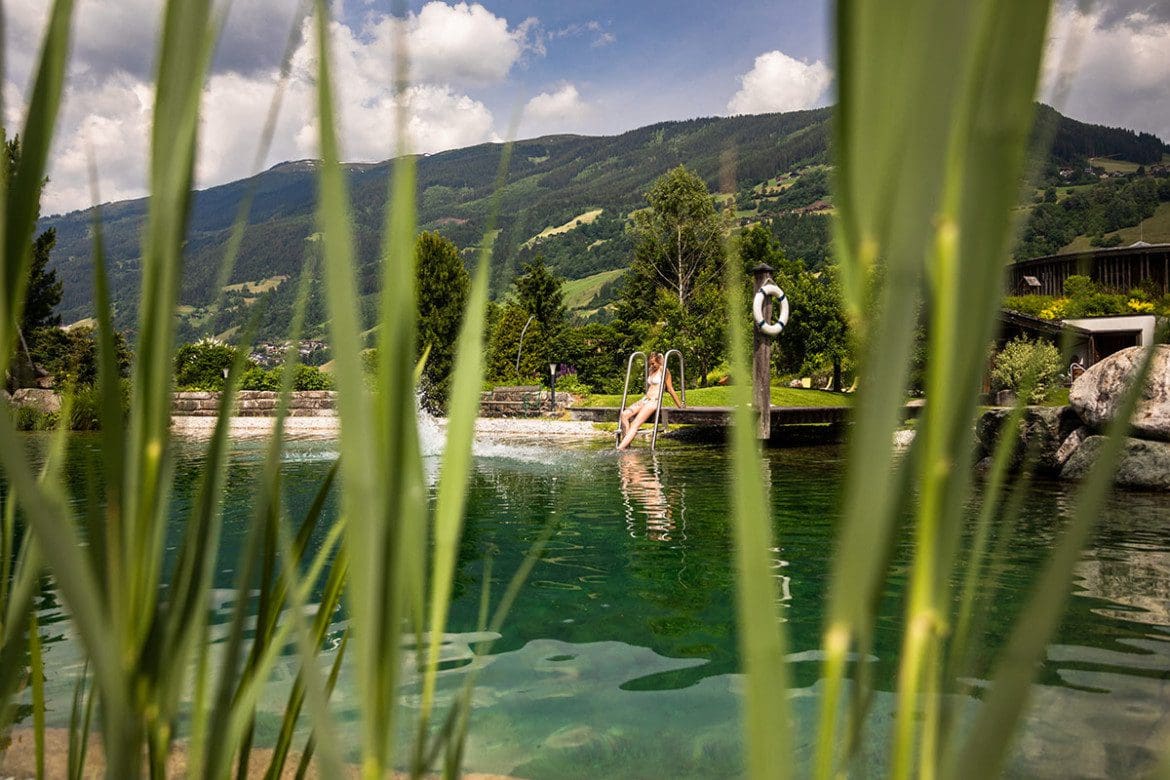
(555, 186)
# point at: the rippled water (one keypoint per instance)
(619, 656)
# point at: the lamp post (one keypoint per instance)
(521, 347)
(552, 373)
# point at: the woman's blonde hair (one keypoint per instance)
(656, 359)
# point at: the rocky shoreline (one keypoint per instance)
(1066, 441)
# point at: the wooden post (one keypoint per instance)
(762, 360)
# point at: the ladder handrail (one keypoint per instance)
(626, 389)
(682, 373)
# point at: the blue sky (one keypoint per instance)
(570, 67)
(648, 61)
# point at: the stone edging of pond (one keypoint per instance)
(1067, 440)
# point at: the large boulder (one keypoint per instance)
(1142, 464)
(1097, 393)
(1042, 432)
(45, 401)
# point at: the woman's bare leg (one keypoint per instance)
(627, 413)
(632, 428)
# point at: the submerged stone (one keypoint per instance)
(1142, 464)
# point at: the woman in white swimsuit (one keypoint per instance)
(638, 412)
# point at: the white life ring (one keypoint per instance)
(770, 328)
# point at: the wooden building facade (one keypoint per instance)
(1119, 269)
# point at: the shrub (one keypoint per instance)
(71, 356)
(1032, 305)
(1055, 310)
(201, 366)
(1140, 307)
(1024, 363)
(85, 409)
(571, 383)
(258, 378)
(310, 378)
(27, 418)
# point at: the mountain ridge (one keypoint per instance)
(552, 180)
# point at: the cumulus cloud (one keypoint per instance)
(1113, 12)
(1107, 72)
(563, 105)
(778, 82)
(461, 43)
(108, 98)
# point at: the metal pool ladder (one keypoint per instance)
(682, 378)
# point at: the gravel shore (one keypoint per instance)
(307, 428)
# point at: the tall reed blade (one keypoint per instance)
(22, 187)
(364, 502)
(767, 717)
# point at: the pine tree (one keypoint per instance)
(443, 285)
(44, 288)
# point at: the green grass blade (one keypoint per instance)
(184, 56)
(238, 715)
(37, 673)
(23, 189)
(361, 463)
(453, 732)
(456, 468)
(51, 522)
(767, 720)
(330, 684)
(108, 533)
(313, 689)
(80, 719)
(329, 603)
(200, 713)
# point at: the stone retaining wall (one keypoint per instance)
(256, 403)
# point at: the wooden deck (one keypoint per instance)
(786, 420)
(720, 416)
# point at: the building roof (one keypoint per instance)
(1138, 248)
(1037, 325)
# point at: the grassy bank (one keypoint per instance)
(723, 395)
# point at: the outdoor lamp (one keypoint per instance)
(552, 372)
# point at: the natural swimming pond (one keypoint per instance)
(619, 656)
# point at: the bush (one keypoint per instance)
(1032, 305)
(571, 383)
(257, 378)
(27, 418)
(1024, 363)
(71, 356)
(310, 378)
(305, 378)
(85, 409)
(201, 366)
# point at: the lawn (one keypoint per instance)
(1110, 165)
(1155, 230)
(261, 286)
(583, 219)
(721, 396)
(579, 292)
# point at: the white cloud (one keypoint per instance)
(563, 105)
(593, 28)
(778, 82)
(461, 43)
(1110, 73)
(108, 97)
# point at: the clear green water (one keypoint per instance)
(619, 657)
